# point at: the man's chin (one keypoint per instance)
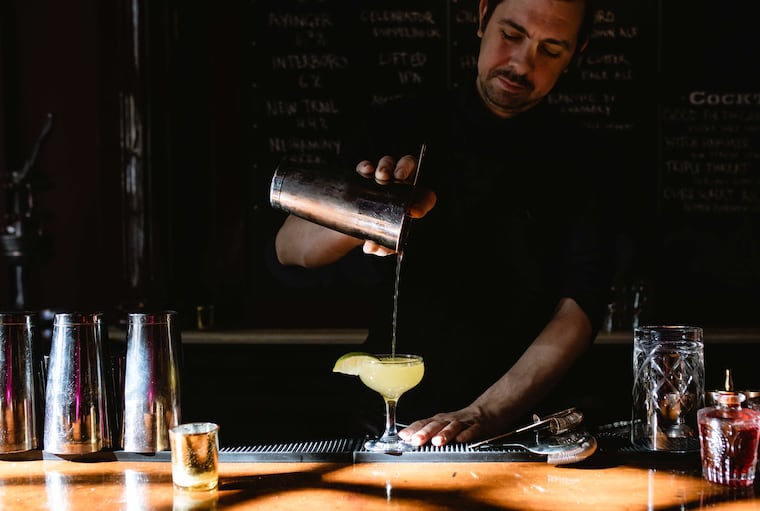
(503, 102)
(507, 106)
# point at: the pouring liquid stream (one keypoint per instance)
(399, 257)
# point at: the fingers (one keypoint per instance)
(388, 169)
(406, 168)
(469, 434)
(424, 201)
(411, 429)
(437, 430)
(447, 434)
(371, 247)
(365, 168)
(384, 170)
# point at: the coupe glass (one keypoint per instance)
(391, 376)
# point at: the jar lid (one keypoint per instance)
(730, 398)
(718, 397)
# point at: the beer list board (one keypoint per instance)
(668, 82)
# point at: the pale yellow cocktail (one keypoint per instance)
(392, 376)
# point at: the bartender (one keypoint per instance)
(506, 270)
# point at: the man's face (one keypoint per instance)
(524, 49)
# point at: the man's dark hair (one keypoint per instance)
(583, 32)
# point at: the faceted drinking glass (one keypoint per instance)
(668, 387)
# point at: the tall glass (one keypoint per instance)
(391, 376)
(668, 387)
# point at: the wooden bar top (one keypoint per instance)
(119, 485)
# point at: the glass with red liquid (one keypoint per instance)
(729, 437)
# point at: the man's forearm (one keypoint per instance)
(303, 243)
(552, 353)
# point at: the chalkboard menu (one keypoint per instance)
(670, 82)
(318, 65)
(709, 158)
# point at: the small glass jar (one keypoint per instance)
(729, 437)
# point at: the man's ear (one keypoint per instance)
(482, 6)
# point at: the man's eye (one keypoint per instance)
(511, 36)
(551, 51)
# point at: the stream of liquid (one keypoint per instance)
(399, 257)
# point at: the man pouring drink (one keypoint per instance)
(508, 262)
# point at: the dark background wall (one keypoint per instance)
(170, 117)
(138, 185)
(52, 61)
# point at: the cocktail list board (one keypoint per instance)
(670, 82)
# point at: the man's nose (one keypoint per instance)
(523, 58)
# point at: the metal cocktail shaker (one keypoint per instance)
(77, 405)
(350, 204)
(151, 381)
(20, 389)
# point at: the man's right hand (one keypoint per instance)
(389, 170)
